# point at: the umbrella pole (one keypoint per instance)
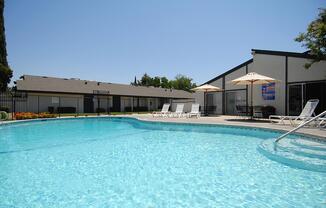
(252, 107)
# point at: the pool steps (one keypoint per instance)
(298, 153)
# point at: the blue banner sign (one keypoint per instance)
(268, 91)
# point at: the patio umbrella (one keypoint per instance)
(206, 88)
(251, 79)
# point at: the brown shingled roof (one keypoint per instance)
(61, 85)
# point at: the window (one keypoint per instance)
(55, 100)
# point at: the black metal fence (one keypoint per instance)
(13, 101)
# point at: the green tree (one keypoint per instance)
(315, 38)
(182, 82)
(165, 82)
(146, 80)
(156, 81)
(5, 76)
(134, 83)
(5, 71)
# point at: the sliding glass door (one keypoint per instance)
(300, 93)
(234, 98)
(296, 98)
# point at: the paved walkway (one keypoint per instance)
(233, 120)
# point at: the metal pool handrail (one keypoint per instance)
(300, 126)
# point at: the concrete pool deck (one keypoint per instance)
(235, 121)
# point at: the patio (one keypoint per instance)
(233, 120)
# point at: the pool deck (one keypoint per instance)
(220, 120)
(235, 121)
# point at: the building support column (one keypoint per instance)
(132, 104)
(98, 105)
(148, 104)
(223, 96)
(59, 105)
(38, 104)
(77, 109)
(108, 104)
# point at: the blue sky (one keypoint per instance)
(115, 40)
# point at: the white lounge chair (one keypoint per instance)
(321, 122)
(178, 111)
(163, 112)
(194, 111)
(307, 112)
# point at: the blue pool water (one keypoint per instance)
(112, 162)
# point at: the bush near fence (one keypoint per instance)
(100, 110)
(3, 108)
(3, 115)
(30, 115)
(66, 110)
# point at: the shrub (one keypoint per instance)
(128, 109)
(100, 110)
(51, 109)
(3, 115)
(3, 108)
(141, 108)
(45, 115)
(66, 110)
(30, 115)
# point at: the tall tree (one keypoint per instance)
(315, 38)
(134, 83)
(180, 82)
(165, 82)
(5, 71)
(156, 81)
(146, 80)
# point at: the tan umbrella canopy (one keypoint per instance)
(206, 88)
(253, 78)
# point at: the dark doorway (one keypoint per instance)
(116, 103)
(317, 91)
(296, 99)
(88, 104)
(300, 93)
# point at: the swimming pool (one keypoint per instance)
(123, 162)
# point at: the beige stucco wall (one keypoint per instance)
(271, 66)
(32, 103)
(217, 83)
(199, 98)
(297, 72)
(236, 74)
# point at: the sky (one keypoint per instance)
(114, 41)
